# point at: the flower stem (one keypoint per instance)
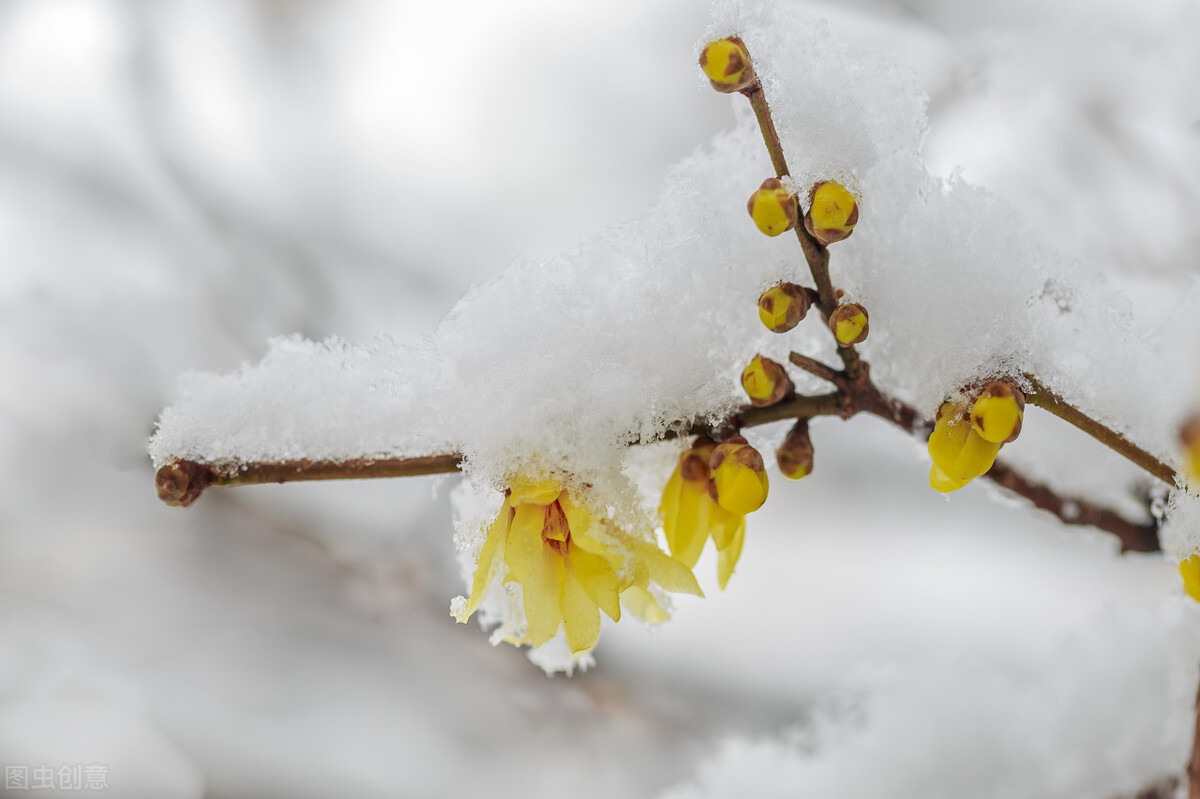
(1049, 401)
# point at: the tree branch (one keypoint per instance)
(1047, 400)
(815, 253)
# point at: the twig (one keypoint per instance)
(1133, 537)
(181, 482)
(814, 252)
(1047, 400)
(818, 369)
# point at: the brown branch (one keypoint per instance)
(1133, 537)
(815, 253)
(181, 482)
(818, 369)
(1047, 400)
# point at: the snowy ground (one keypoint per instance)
(180, 181)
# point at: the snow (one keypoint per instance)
(188, 188)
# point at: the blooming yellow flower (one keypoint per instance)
(570, 566)
(691, 514)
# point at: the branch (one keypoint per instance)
(181, 482)
(1047, 400)
(1074, 511)
(814, 252)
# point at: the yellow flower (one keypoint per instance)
(570, 566)
(959, 453)
(691, 514)
(1189, 570)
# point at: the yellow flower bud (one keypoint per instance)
(959, 453)
(1189, 436)
(782, 307)
(727, 65)
(766, 382)
(849, 324)
(795, 454)
(1189, 570)
(773, 208)
(997, 413)
(832, 212)
(738, 479)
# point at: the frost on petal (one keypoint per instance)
(490, 558)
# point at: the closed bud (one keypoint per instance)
(959, 453)
(773, 208)
(832, 212)
(795, 454)
(738, 481)
(849, 324)
(766, 382)
(782, 307)
(997, 413)
(1189, 436)
(727, 65)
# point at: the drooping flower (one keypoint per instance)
(570, 566)
(692, 508)
(959, 453)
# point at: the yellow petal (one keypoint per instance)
(1189, 570)
(641, 603)
(597, 579)
(692, 528)
(580, 616)
(669, 573)
(543, 593)
(490, 558)
(976, 457)
(939, 480)
(669, 508)
(728, 557)
(579, 518)
(948, 436)
(723, 524)
(524, 551)
(995, 418)
(537, 492)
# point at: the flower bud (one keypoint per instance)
(795, 454)
(1189, 436)
(782, 307)
(997, 413)
(849, 324)
(773, 208)
(1189, 570)
(693, 464)
(739, 479)
(959, 453)
(766, 382)
(727, 65)
(832, 212)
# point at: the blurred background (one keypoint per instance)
(182, 179)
